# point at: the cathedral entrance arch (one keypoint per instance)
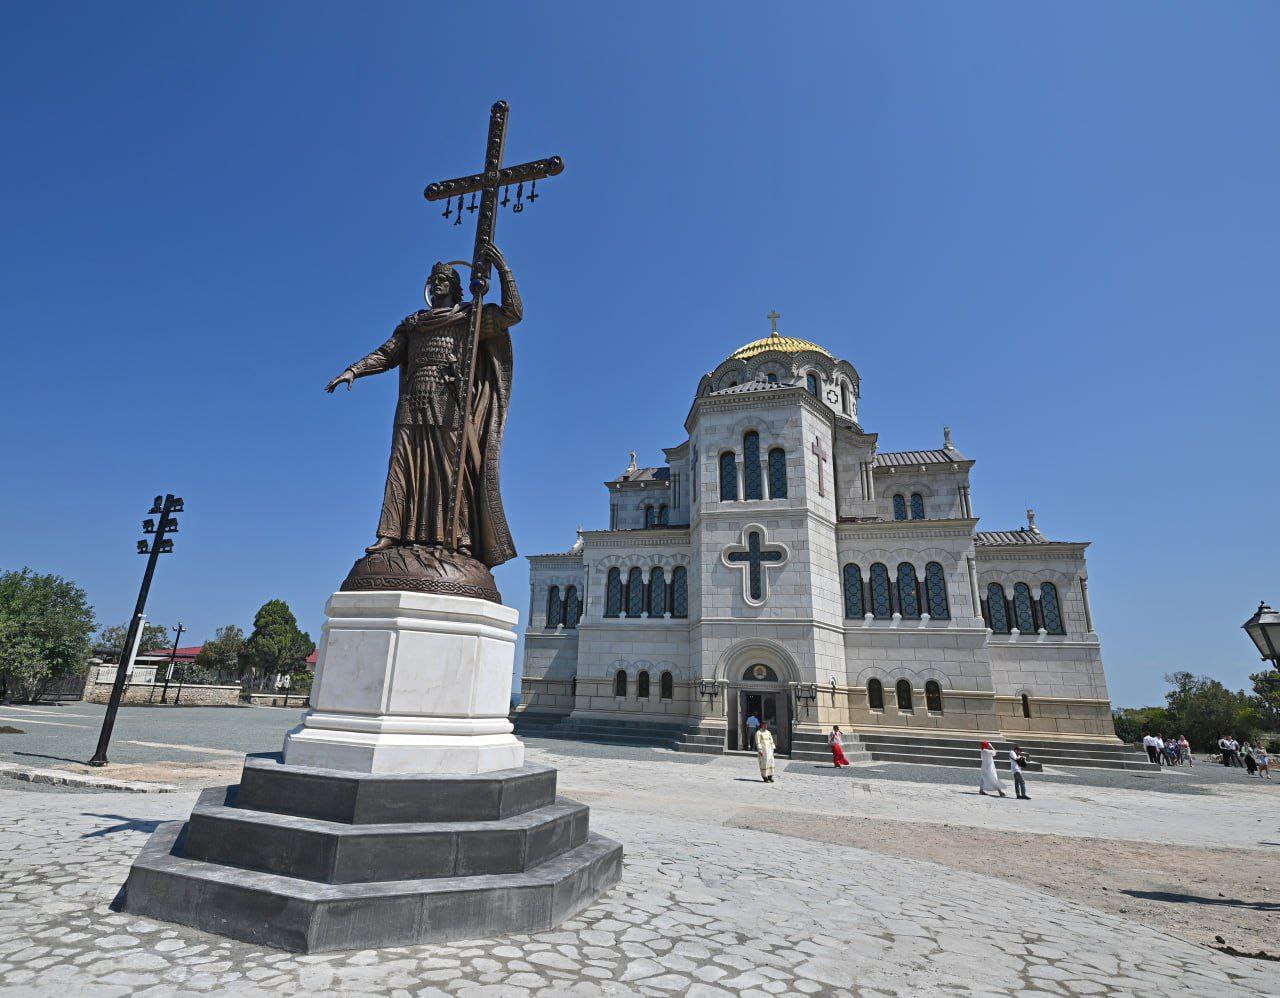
(760, 680)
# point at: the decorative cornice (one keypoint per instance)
(908, 528)
(1031, 552)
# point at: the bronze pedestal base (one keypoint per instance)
(422, 569)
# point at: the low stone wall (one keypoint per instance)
(280, 700)
(149, 694)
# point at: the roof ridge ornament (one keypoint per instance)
(1031, 521)
(946, 439)
(773, 318)
(631, 468)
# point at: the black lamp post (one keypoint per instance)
(173, 654)
(165, 506)
(1264, 629)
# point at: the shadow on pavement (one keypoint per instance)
(126, 825)
(1173, 898)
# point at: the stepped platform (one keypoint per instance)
(931, 750)
(309, 859)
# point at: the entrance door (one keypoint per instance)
(768, 707)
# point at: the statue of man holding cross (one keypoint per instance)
(427, 348)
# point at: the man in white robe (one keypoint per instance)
(988, 780)
(764, 751)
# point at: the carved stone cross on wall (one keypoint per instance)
(820, 452)
(752, 556)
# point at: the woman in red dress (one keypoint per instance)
(836, 741)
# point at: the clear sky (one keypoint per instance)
(1051, 227)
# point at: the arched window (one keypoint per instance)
(1050, 609)
(649, 519)
(635, 593)
(679, 591)
(997, 609)
(572, 607)
(752, 479)
(875, 694)
(853, 604)
(811, 383)
(908, 591)
(664, 514)
(1026, 705)
(1023, 618)
(904, 694)
(613, 594)
(772, 378)
(666, 687)
(657, 593)
(777, 473)
(935, 585)
(844, 397)
(620, 683)
(899, 507)
(728, 477)
(555, 609)
(917, 506)
(642, 686)
(881, 600)
(933, 697)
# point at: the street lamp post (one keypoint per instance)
(1264, 629)
(165, 506)
(168, 674)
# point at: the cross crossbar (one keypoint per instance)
(538, 169)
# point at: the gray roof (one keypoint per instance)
(905, 458)
(644, 475)
(1003, 538)
(752, 386)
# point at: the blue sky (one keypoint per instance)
(1051, 227)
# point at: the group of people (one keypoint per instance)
(761, 738)
(1253, 758)
(989, 781)
(1168, 751)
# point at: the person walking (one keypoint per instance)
(1250, 762)
(1233, 750)
(1263, 760)
(1184, 750)
(987, 779)
(1226, 752)
(1149, 743)
(764, 751)
(836, 741)
(1016, 761)
(753, 725)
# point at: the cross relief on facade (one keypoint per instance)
(754, 555)
(820, 452)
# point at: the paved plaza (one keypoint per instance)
(878, 880)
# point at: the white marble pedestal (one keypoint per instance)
(411, 683)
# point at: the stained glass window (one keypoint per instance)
(554, 607)
(899, 507)
(635, 593)
(693, 476)
(657, 593)
(903, 690)
(728, 477)
(772, 378)
(620, 683)
(679, 592)
(642, 686)
(1050, 609)
(1026, 705)
(664, 514)
(572, 607)
(777, 473)
(917, 506)
(1022, 615)
(997, 609)
(875, 694)
(844, 398)
(933, 697)
(752, 480)
(666, 687)
(935, 584)
(649, 520)
(881, 601)
(853, 603)
(811, 383)
(613, 594)
(908, 591)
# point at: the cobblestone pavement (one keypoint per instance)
(703, 909)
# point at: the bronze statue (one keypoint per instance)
(442, 525)
(428, 348)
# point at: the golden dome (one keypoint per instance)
(776, 341)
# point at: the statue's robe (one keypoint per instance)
(427, 347)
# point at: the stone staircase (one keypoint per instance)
(811, 746)
(926, 750)
(641, 734)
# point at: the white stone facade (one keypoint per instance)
(812, 567)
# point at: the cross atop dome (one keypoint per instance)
(773, 318)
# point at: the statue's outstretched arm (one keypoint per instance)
(387, 356)
(512, 309)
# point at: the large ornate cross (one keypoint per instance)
(487, 184)
(752, 555)
(820, 452)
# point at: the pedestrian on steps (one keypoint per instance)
(836, 741)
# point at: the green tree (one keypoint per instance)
(221, 655)
(45, 624)
(1134, 722)
(276, 645)
(155, 637)
(1266, 697)
(1204, 710)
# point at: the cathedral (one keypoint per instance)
(780, 564)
